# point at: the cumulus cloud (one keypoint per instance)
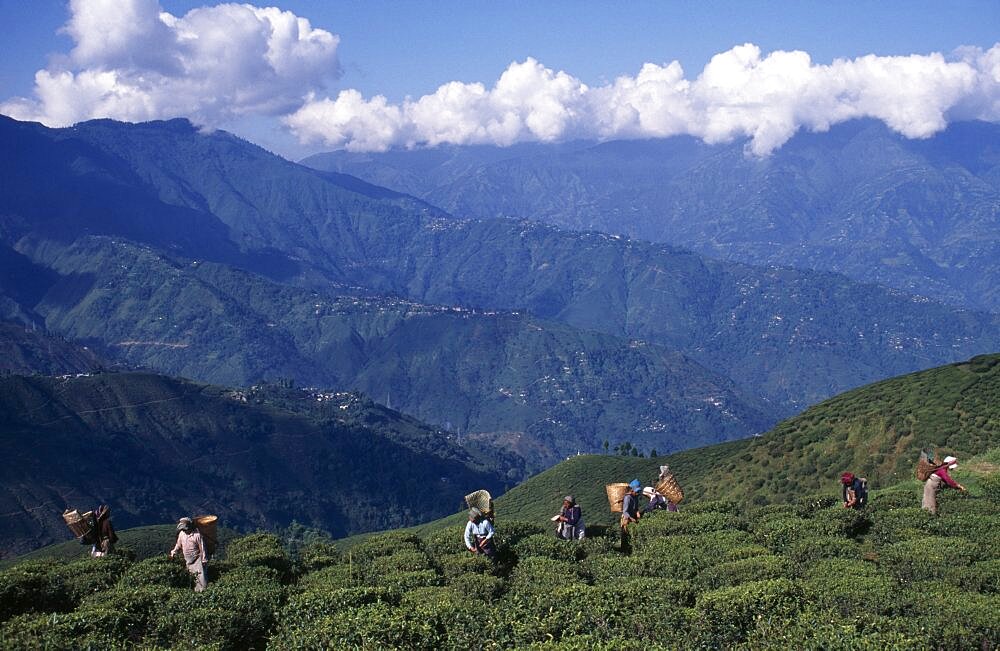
(133, 61)
(739, 93)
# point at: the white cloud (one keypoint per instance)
(739, 93)
(133, 61)
(220, 64)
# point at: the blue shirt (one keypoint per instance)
(482, 530)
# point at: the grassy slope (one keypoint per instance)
(875, 431)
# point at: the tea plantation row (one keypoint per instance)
(806, 574)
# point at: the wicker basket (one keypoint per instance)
(669, 487)
(80, 525)
(207, 527)
(925, 467)
(481, 500)
(616, 494)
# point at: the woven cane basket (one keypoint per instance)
(79, 524)
(670, 489)
(616, 493)
(925, 467)
(481, 500)
(207, 527)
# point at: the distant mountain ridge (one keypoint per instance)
(216, 260)
(156, 448)
(922, 216)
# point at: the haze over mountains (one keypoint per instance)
(204, 256)
(922, 216)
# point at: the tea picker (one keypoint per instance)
(93, 528)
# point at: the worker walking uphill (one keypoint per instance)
(933, 484)
(192, 547)
(479, 535)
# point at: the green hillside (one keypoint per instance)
(804, 574)
(875, 431)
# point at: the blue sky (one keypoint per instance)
(410, 49)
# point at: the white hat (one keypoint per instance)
(948, 460)
(649, 491)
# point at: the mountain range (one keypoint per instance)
(201, 255)
(922, 216)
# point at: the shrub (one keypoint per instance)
(809, 504)
(318, 555)
(567, 611)
(729, 507)
(407, 560)
(89, 575)
(332, 578)
(32, 586)
(236, 612)
(455, 565)
(958, 619)
(981, 577)
(511, 532)
(387, 544)
(404, 581)
(818, 630)
(309, 606)
(445, 541)
(839, 521)
(984, 529)
(894, 499)
(727, 615)
(425, 626)
(849, 588)
(744, 551)
(259, 550)
(91, 628)
(757, 568)
(662, 560)
(477, 586)
(814, 548)
(673, 524)
(899, 524)
(780, 532)
(157, 571)
(990, 488)
(929, 557)
(548, 546)
(541, 574)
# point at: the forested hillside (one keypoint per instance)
(155, 448)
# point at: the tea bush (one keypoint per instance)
(983, 576)
(478, 586)
(541, 574)
(899, 524)
(32, 586)
(549, 546)
(756, 568)
(260, 550)
(779, 533)
(811, 549)
(318, 555)
(929, 557)
(236, 613)
(727, 615)
(89, 575)
(158, 571)
(455, 565)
